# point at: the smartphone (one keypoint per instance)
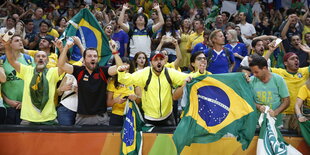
(69, 80)
(278, 41)
(7, 36)
(70, 41)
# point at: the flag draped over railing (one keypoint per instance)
(305, 130)
(270, 139)
(217, 105)
(86, 27)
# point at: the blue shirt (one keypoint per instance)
(200, 47)
(121, 38)
(219, 62)
(241, 49)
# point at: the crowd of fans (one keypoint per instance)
(157, 47)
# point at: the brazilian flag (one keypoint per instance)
(217, 105)
(305, 130)
(86, 27)
(132, 130)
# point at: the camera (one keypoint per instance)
(7, 36)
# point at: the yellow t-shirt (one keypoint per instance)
(194, 39)
(304, 94)
(293, 82)
(197, 74)
(52, 58)
(122, 90)
(28, 110)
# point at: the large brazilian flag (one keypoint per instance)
(86, 27)
(215, 106)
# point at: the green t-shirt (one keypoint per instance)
(270, 93)
(13, 87)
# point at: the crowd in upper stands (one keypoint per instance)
(157, 46)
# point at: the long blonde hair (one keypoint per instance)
(234, 35)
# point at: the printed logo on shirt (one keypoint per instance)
(85, 78)
(299, 75)
(12, 76)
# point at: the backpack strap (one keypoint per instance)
(101, 73)
(227, 53)
(27, 59)
(80, 76)
(209, 56)
(168, 77)
(148, 80)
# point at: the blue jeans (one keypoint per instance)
(65, 116)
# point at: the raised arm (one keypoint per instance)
(304, 17)
(285, 29)
(10, 55)
(265, 37)
(271, 50)
(178, 54)
(121, 18)
(118, 61)
(62, 65)
(135, 78)
(161, 21)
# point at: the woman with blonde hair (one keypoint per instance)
(239, 49)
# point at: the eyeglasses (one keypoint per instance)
(201, 58)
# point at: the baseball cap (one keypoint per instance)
(156, 54)
(49, 38)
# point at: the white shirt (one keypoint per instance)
(247, 30)
(245, 62)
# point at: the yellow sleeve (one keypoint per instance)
(276, 70)
(302, 93)
(189, 42)
(111, 87)
(53, 33)
(137, 78)
(32, 52)
(177, 77)
(23, 71)
(53, 73)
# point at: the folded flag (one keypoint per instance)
(270, 139)
(86, 27)
(132, 130)
(217, 105)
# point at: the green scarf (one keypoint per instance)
(39, 89)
